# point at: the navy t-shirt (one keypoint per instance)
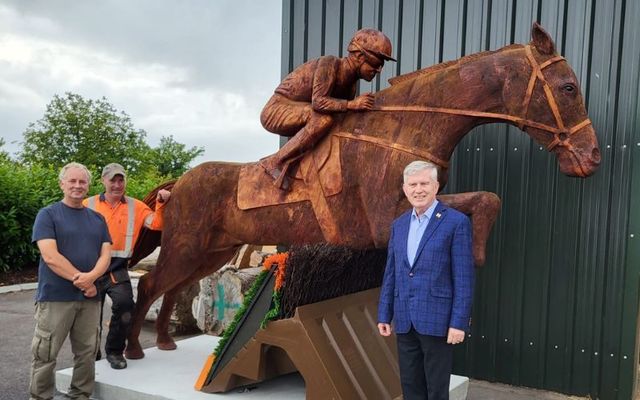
(79, 234)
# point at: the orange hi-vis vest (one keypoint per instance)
(125, 220)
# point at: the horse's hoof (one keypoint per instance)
(166, 345)
(134, 354)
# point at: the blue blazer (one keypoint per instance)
(437, 292)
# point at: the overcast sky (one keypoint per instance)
(200, 70)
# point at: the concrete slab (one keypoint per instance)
(170, 375)
(458, 387)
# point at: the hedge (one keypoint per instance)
(23, 191)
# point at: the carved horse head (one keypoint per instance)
(553, 110)
(528, 86)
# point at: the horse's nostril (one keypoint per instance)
(595, 155)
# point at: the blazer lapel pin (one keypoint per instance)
(438, 215)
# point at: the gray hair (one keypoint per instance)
(417, 166)
(64, 169)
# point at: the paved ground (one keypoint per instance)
(16, 331)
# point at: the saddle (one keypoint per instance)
(318, 175)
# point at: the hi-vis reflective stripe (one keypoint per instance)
(127, 252)
(128, 244)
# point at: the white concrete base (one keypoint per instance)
(170, 375)
(458, 387)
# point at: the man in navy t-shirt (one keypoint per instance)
(75, 249)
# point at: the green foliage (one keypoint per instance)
(140, 185)
(91, 132)
(172, 158)
(94, 133)
(275, 312)
(4, 156)
(23, 192)
(248, 299)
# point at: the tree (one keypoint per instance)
(172, 158)
(91, 132)
(4, 156)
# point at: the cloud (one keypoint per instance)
(200, 71)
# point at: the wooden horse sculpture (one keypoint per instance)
(423, 115)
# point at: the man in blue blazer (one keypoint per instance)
(427, 288)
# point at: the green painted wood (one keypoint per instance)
(247, 326)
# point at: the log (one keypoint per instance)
(184, 322)
(201, 310)
(243, 259)
(221, 295)
(147, 263)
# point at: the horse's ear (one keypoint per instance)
(541, 40)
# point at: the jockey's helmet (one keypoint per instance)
(371, 41)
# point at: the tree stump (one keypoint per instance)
(185, 323)
(221, 295)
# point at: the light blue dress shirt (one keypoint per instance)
(417, 226)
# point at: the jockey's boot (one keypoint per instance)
(277, 170)
(310, 134)
(277, 165)
(272, 165)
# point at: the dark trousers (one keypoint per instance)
(425, 366)
(121, 295)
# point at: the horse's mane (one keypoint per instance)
(447, 64)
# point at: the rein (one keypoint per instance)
(395, 146)
(560, 133)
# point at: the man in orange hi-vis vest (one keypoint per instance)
(125, 217)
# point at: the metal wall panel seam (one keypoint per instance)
(628, 92)
(613, 301)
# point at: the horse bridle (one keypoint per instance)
(561, 133)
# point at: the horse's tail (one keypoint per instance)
(148, 240)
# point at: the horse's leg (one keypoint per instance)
(483, 208)
(178, 261)
(145, 298)
(164, 341)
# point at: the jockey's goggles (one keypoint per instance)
(374, 61)
(370, 57)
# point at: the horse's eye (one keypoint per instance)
(568, 87)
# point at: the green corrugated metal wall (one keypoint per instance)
(556, 305)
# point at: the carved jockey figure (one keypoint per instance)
(302, 107)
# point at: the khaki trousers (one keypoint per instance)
(56, 320)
